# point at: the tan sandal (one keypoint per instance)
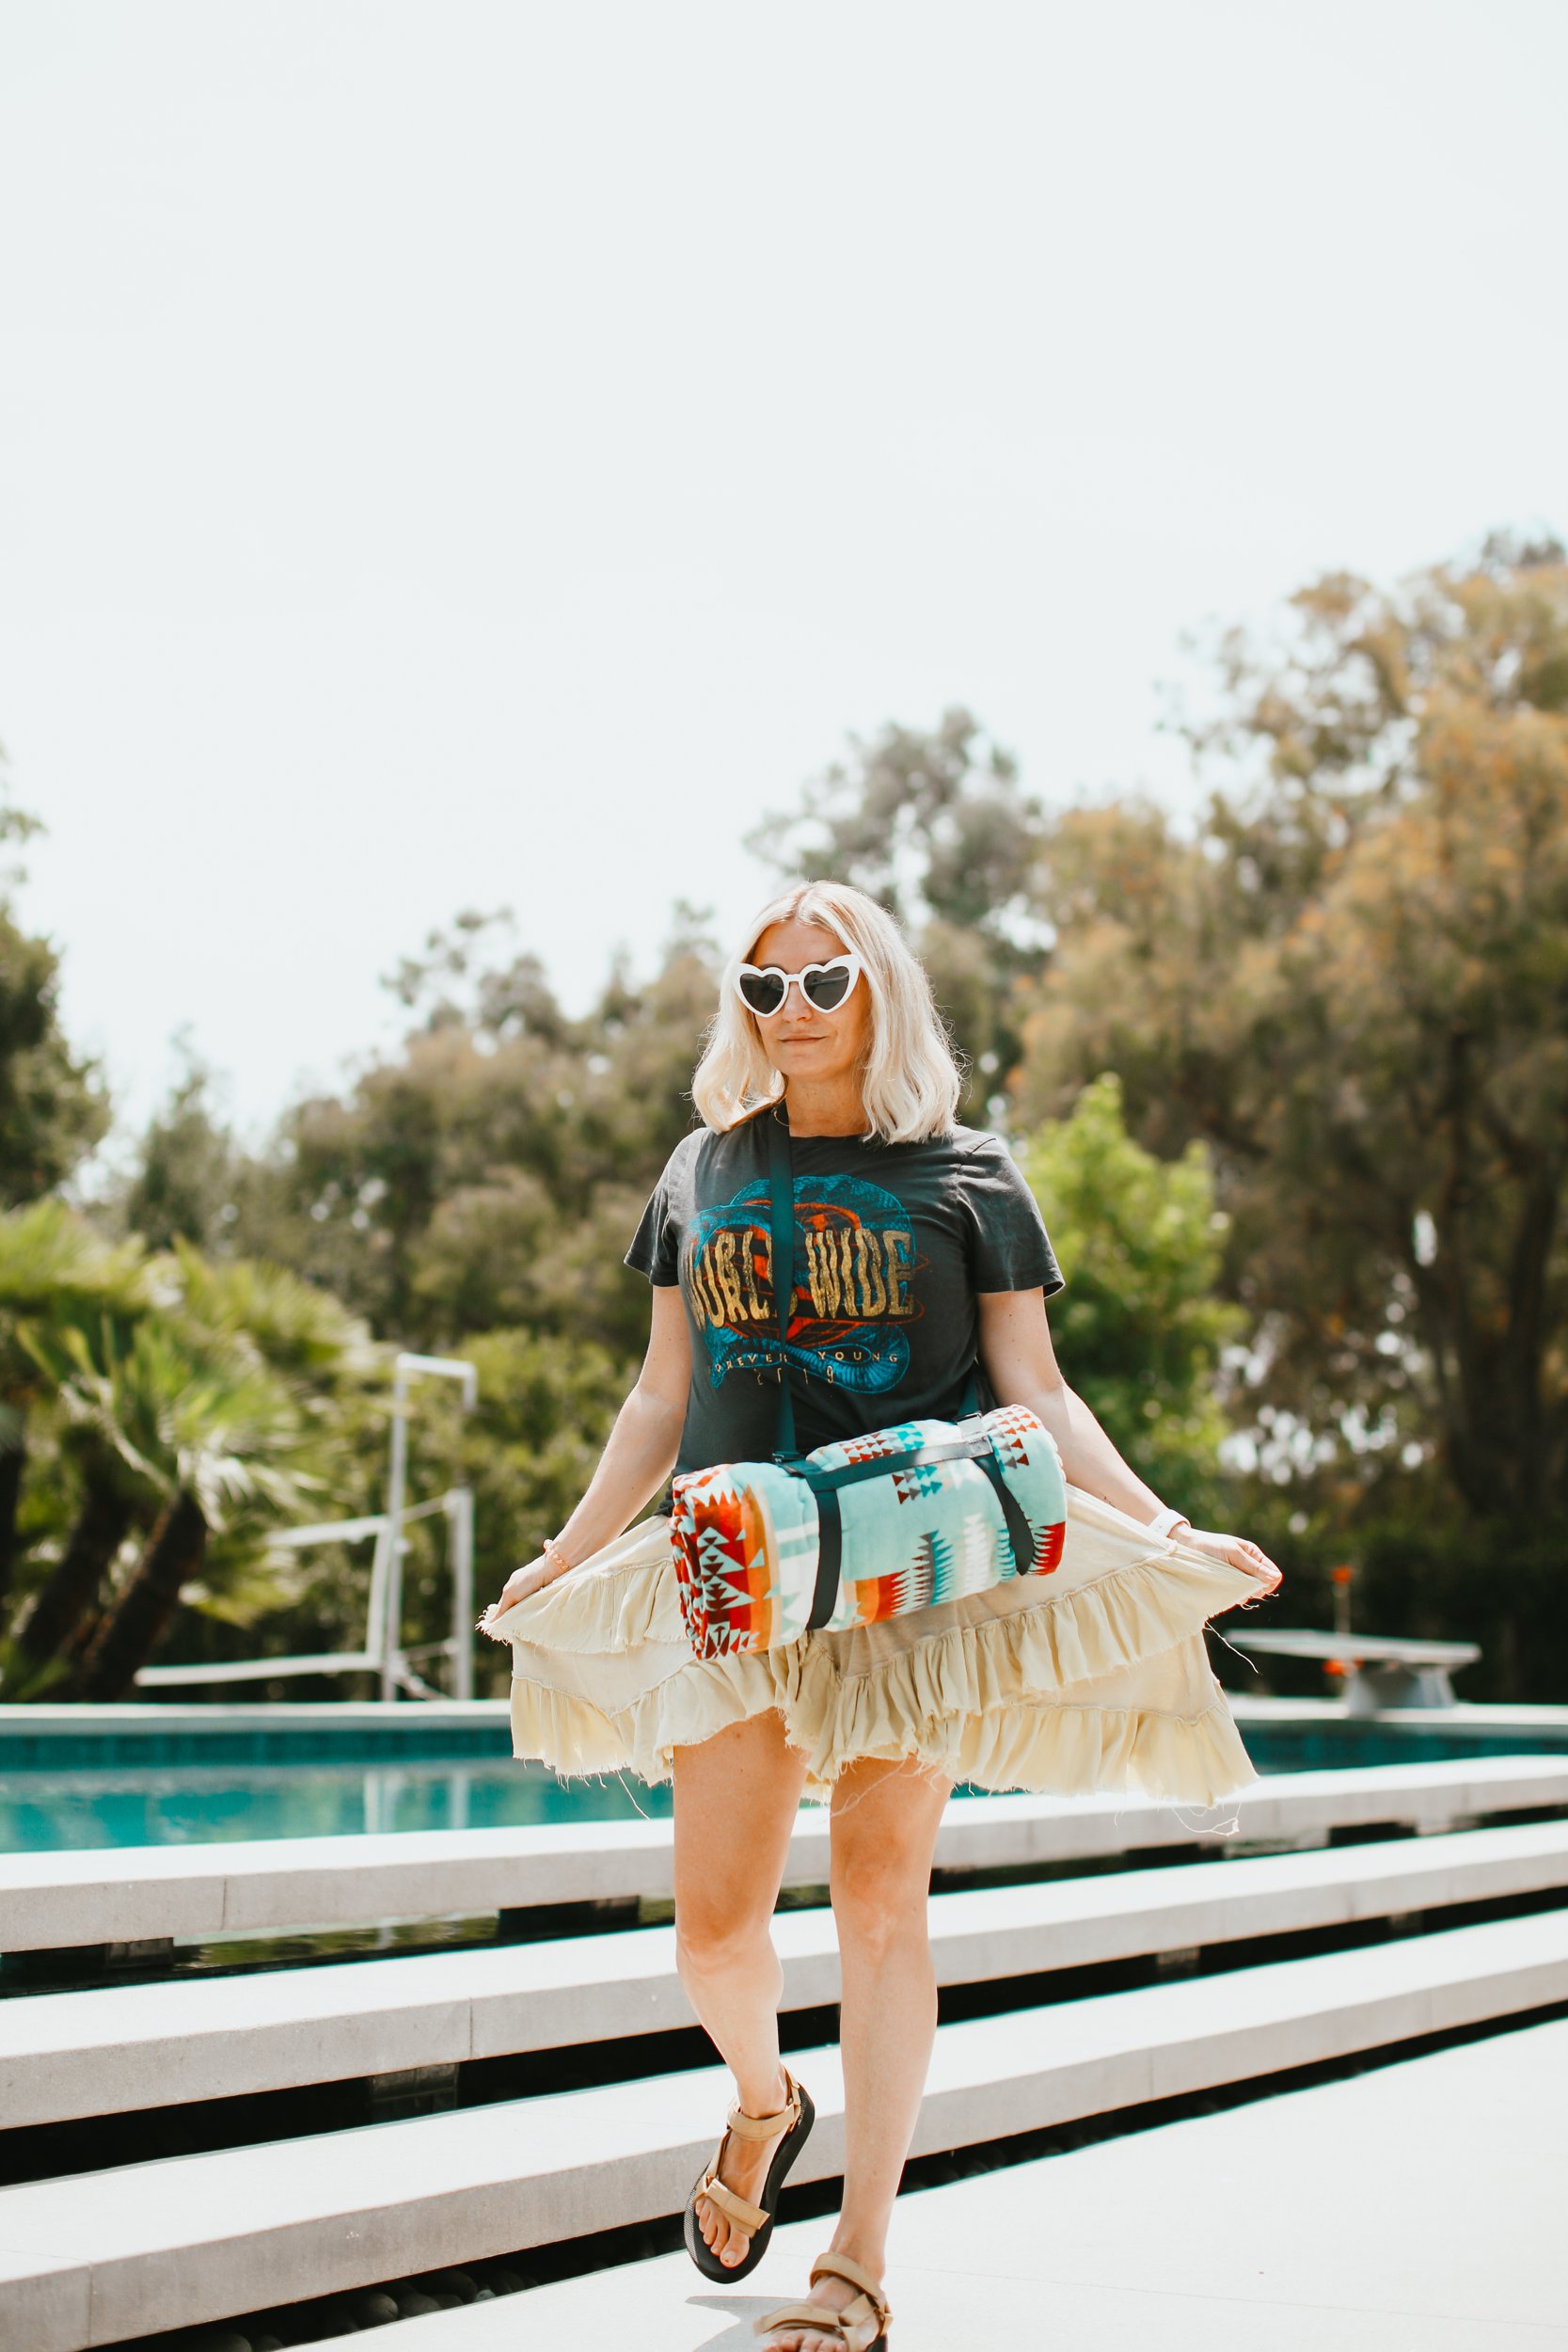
(798, 2114)
(861, 2326)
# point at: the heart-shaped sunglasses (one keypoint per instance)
(764, 988)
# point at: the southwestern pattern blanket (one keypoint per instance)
(747, 1536)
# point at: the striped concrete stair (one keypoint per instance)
(125, 2048)
(97, 2258)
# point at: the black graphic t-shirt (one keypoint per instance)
(892, 1243)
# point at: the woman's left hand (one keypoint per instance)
(1237, 1552)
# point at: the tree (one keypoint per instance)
(51, 1106)
(51, 1111)
(54, 1633)
(1353, 983)
(1139, 1330)
(189, 1169)
(218, 1412)
(57, 1277)
(226, 1449)
(492, 1170)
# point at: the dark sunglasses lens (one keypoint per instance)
(828, 988)
(762, 990)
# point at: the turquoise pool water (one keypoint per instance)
(180, 1804)
(187, 1787)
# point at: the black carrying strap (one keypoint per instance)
(825, 1484)
(780, 1218)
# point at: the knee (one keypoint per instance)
(714, 1938)
(878, 1908)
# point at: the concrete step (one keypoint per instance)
(90, 2260)
(122, 2048)
(1349, 2245)
(53, 1901)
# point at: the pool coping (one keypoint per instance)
(152, 1715)
(151, 1719)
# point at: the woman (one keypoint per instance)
(919, 1249)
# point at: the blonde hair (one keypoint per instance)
(910, 1080)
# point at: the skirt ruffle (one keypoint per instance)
(1094, 1677)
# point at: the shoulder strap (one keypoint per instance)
(781, 1203)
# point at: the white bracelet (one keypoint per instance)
(1165, 1523)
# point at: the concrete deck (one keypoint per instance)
(1417, 2208)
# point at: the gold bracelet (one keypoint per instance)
(553, 1553)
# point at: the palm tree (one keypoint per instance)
(228, 1449)
(207, 1418)
(65, 1608)
(304, 1333)
(56, 1275)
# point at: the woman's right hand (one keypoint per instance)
(522, 1584)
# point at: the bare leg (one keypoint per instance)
(885, 1827)
(736, 1796)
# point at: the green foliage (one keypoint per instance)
(302, 1335)
(1421, 1568)
(254, 1596)
(51, 1106)
(1353, 986)
(55, 1267)
(58, 1279)
(491, 1172)
(1138, 1329)
(473, 1192)
(189, 1169)
(215, 1398)
(545, 1408)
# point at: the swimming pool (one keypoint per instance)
(178, 1804)
(146, 1775)
(178, 1774)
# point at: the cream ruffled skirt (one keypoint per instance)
(1093, 1678)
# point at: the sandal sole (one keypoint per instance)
(778, 2172)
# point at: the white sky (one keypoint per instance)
(454, 454)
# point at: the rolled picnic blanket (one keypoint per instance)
(865, 1528)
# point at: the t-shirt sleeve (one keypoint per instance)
(1009, 1248)
(656, 1245)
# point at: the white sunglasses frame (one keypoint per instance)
(777, 972)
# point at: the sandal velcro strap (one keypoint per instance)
(855, 2329)
(734, 2208)
(746, 2127)
(831, 2265)
(859, 2325)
